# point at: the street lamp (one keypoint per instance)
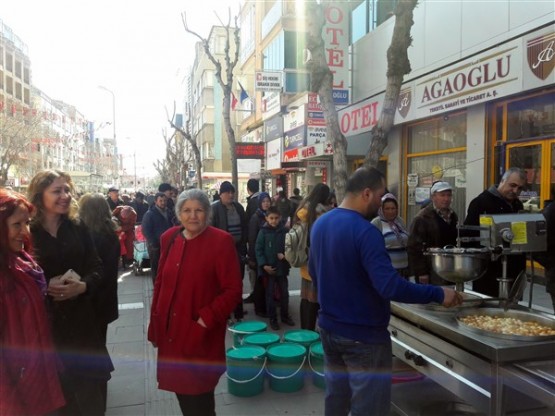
(113, 122)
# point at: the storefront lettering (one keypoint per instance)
(308, 152)
(475, 77)
(360, 118)
(335, 53)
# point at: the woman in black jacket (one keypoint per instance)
(94, 212)
(66, 252)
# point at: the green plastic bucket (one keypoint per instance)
(285, 363)
(305, 337)
(316, 363)
(241, 329)
(245, 370)
(262, 339)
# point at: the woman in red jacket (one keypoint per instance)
(197, 287)
(29, 383)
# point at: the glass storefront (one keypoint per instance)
(523, 135)
(436, 150)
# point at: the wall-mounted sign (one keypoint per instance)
(294, 138)
(273, 128)
(249, 150)
(268, 81)
(273, 154)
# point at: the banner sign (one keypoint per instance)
(268, 81)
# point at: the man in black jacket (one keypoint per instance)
(113, 198)
(500, 199)
(155, 222)
(229, 215)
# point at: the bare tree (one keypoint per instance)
(398, 65)
(224, 76)
(16, 139)
(186, 134)
(321, 82)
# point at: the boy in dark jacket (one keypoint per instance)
(270, 248)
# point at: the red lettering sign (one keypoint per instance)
(249, 150)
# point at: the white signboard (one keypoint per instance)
(273, 154)
(268, 81)
(271, 104)
(315, 134)
(336, 38)
(412, 180)
(294, 119)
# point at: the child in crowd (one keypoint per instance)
(270, 248)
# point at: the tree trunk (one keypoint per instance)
(398, 65)
(322, 83)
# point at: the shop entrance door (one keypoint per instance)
(538, 160)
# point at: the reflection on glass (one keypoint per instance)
(450, 167)
(529, 159)
(532, 117)
(444, 133)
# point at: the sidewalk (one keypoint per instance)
(133, 388)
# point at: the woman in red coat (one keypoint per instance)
(29, 383)
(197, 287)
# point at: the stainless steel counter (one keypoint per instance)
(476, 368)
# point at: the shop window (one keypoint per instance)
(449, 167)
(436, 150)
(531, 117)
(448, 132)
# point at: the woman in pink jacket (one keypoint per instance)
(197, 287)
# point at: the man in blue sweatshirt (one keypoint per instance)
(356, 282)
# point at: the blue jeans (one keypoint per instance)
(283, 284)
(358, 376)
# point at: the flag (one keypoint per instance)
(233, 101)
(244, 94)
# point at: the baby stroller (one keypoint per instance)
(140, 253)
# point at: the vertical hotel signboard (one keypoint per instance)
(336, 38)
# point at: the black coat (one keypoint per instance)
(219, 220)
(106, 300)
(140, 208)
(154, 225)
(252, 206)
(491, 202)
(76, 325)
(429, 230)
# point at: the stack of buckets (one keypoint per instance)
(255, 350)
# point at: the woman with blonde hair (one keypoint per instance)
(314, 205)
(65, 251)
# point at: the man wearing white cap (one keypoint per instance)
(434, 226)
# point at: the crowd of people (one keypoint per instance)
(59, 261)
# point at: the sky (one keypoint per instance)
(137, 49)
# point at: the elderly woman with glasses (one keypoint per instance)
(197, 287)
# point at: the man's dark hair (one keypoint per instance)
(163, 187)
(296, 191)
(158, 195)
(364, 178)
(273, 210)
(253, 185)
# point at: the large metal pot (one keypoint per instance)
(459, 265)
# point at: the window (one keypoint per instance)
(359, 21)
(531, 117)
(26, 77)
(436, 150)
(18, 69)
(9, 62)
(9, 85)
(18, 91)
